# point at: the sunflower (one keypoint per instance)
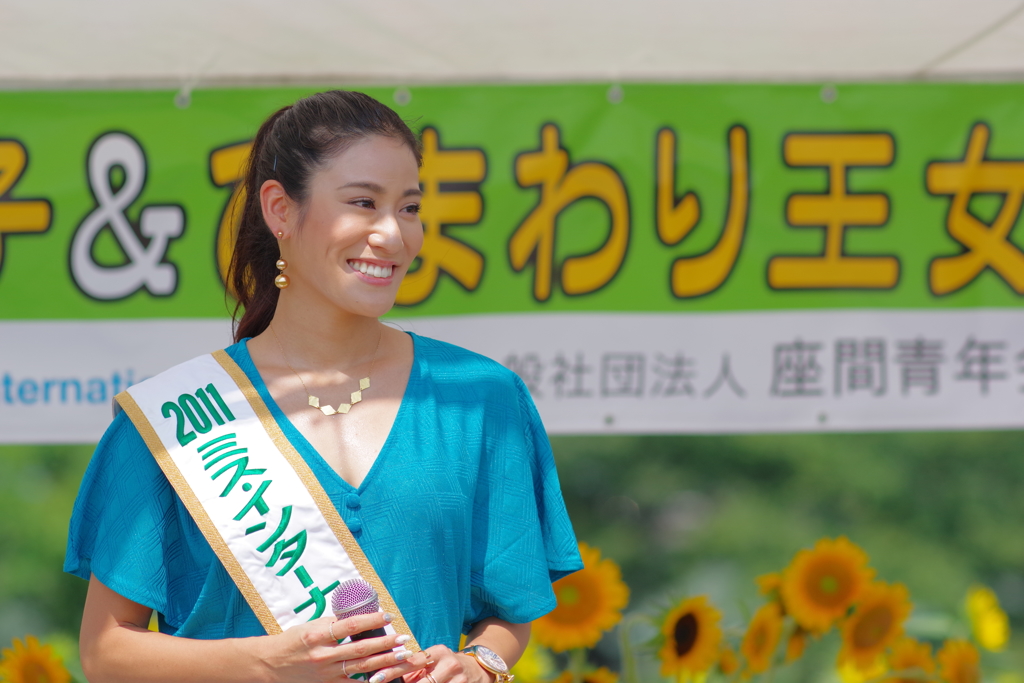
(796, 644)
(535, 664)
(989, 623)
(602, 675)
(762, 638)
(728, 661)
(30, 662)
(958, 661)
(875, 624)
(692, 636)
(769, 583)
(912, 658)
(848, 673)
(821, 584)
(590, 602)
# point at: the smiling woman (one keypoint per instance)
(357, 453)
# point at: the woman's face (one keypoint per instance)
(359, 230)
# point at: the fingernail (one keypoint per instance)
(403, 655)
(387, 620)
(403, 639)
(378, 677)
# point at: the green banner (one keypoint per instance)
(577, 197)
(647, 258)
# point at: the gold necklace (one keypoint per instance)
(314, 402)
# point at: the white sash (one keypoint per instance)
(250, 492)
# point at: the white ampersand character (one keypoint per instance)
(160, 224)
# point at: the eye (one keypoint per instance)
(412, 208)
(364, 203)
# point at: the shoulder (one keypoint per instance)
(446, 359)
(453, 368)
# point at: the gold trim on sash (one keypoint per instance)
(327, 509)
(195, 508)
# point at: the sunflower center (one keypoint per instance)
(579, 599)
(34, 672)
(760, 637)
(873, 627)
(965, 672)
(830, 584)
(568, 595)
(685, 634)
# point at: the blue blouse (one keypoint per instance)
(461, 513)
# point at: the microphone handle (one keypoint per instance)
(372, 633)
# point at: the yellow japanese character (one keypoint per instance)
(560, 186)
(699, 275)
(836, 210)
(18, 216)
(987, 245)
(227, 168)
(441, 207)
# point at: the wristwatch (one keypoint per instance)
(490, 661)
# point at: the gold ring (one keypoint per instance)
(431, 678)
(344, 668)
(331, 629)
(430, 657)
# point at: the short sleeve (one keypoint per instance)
(522, 540)
(125, 527)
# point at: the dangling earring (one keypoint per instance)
(281, 281)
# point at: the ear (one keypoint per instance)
(278, 208)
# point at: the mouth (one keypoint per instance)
(372, 270)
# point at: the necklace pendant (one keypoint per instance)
(343, 408)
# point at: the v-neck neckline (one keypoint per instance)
(305, 448)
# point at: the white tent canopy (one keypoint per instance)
(191, 43)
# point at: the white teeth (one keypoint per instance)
(371, 270)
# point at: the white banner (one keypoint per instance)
(57, 379)
(718, 373)
(706, 373)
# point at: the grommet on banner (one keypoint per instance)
(183, 98)
(829, 94)
(616, 94)
(402, 96)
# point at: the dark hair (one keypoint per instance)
(290, 145)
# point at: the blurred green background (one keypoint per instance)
(681, 515)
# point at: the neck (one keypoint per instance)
(314, 337)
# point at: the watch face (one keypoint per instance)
(490, 659)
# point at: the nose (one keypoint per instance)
(386, 234)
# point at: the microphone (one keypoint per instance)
(353, 597)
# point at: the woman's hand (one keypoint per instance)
(311, 653)
(446, 666)
(116, 647)
(506, 639)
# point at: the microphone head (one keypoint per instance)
(353, 597)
